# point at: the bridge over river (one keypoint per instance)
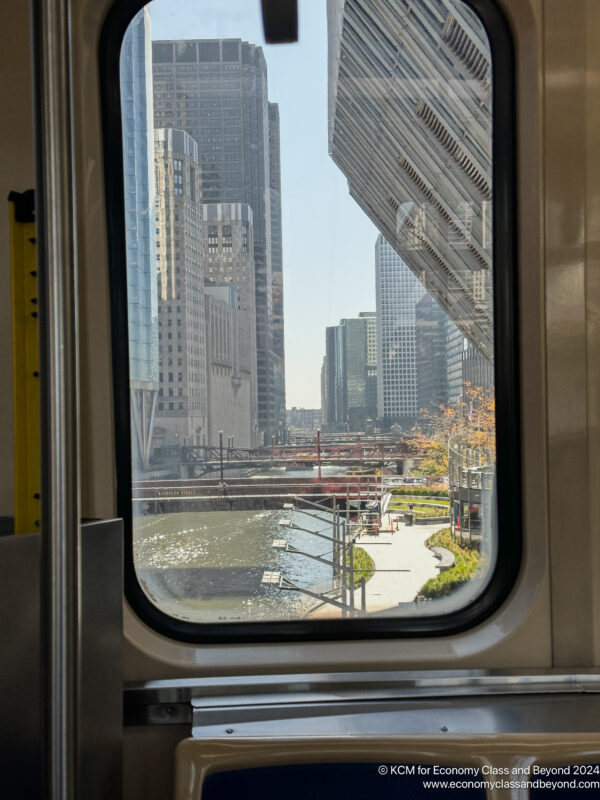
(200, 460)
(169, 496)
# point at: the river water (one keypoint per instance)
(208, 567)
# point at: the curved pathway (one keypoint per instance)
(404, 562)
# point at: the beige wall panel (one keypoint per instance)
(518, 635)
(592, 238)
(149, 760)
(16, 173)
(98, 481)
(566, 211)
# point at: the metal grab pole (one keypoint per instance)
(56, 236)
(344, 569)
(351, 570)
(363, 595)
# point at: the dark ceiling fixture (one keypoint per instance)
(280, 21)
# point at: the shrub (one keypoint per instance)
(418, 491)
(364, 566)
(467, 562)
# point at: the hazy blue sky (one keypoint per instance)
(328, 242)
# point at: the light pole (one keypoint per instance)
(221, 453)
(319, 452)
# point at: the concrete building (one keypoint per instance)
(138, 179)
(303, 420)
(216, 90)
(229, 365)
(397, 293)
(182, 404)
(427, 184)
(227, 249)
(371, 390)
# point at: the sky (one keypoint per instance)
(328, 241)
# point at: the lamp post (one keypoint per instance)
(221, 453)
(319, 452)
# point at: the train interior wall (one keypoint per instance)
(551, 620)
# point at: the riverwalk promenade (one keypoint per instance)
(403, 564)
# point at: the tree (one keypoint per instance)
(470, 423)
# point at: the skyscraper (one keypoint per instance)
(350, 373)
(431, 354)
(371, 388)
(182, 404)
(397, 293)
(427, 184)
(138, 178)
(216, 90)
(277, 266)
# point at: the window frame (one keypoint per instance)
(506, 368)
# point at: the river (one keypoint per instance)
(208, 567)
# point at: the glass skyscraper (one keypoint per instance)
(397, 293)
(216, 90)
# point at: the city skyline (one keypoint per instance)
(329, 272)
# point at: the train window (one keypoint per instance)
(320, 314)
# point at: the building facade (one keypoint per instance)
(349, 373)
(427, 185)
(138, 179)
(182, 403)
(216, 90)
(432, 356)
(397, 293)
(227, 250)
(277, 269)
(229, 365)
(304, 420)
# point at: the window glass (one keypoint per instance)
(311, 224)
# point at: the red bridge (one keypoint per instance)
(360, 453)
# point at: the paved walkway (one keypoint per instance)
(403, 550)
(402, 565)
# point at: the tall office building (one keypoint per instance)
(427, 185)
(348, 391)
(324, 391)
(371, 388)
(397, 293)
(227, 255)
(277, 267)
(455, 345)
(331, 393)
(431, 324)
(138, 178)
(216, 90)
(182, 404)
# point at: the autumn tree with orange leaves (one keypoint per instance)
(469, 423)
